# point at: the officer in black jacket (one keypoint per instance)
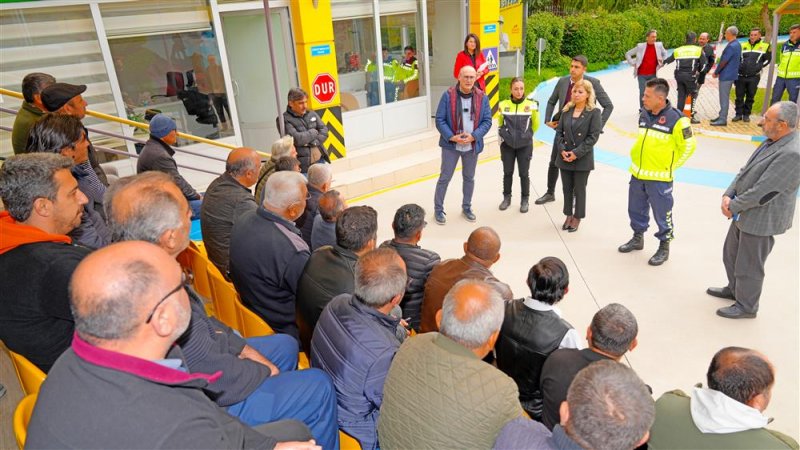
(307, 129)
(755, 56)
(690, 62)
(708, 50)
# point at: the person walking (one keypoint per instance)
(518, 122)
(789, 67)
(649, 57)
(755, 56)
(472, 56)
(664, 144)
(727, 72)
(690, 62)
(578, 131)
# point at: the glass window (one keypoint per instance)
(167, 60)
(63, 42)
(356, 55)
(399, 36)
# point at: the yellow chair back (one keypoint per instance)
(199, 265)
(224, 295)
(22, 417)
(347, 442)
(30, 377)
(252, 324)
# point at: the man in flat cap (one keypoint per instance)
(65, 98)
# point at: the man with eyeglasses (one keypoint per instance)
(760, 203)
(462, 118)
(42, 205)
(124, 377)
(258, 383)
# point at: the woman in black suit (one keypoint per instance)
(578, 131)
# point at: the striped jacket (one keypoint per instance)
(665, 142)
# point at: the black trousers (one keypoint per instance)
(522, 157)
(552, 170)
(686, 87)
(746, 88)
(573, 183)
(220, 102)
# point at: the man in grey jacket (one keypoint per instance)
(760, 201)
(649, 57)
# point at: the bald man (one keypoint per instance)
(268, 253)
(123, 373)
(462, 118)
(227, 198)
(438, 393)
(481, 251)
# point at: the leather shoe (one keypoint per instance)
(546, 198)
(723, 292)
(469, 215)
(573, 226)
(734, 312)
(719, 123)
(746, 118)
(714, 119)
(695, 121)
(567, 221)
(736, 118)
(440, 218)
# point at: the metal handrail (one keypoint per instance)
(132, 123)
(120, 152)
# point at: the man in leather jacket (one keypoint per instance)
(307, 129)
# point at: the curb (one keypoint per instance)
(733, 136)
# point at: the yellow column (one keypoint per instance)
(312, 24)
(483, 21)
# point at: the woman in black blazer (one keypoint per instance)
(578, 131)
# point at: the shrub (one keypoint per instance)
(600, 36)
(550, 27)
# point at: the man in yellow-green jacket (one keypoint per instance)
(665, 143)
(788, 67)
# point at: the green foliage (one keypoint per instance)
(550, 27)
(600, 36)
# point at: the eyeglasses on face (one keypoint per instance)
(186, 281)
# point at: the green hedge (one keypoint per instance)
(605, 37)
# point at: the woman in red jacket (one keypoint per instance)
(472, 56)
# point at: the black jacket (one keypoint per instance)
(225, 200)
(688, 68)
(419, 263)
(560, 94)
(267, 257)
(306, 222)
(579, 135)
(526, 339)
(308, 131)
(330, 272)
(753, 60)
(158, 156)
(708, 50)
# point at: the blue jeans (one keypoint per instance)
(646, 194)
(195, 206)
(788, 84)
(304, 395)
(643, 79)
(724, 99)
(469, 161)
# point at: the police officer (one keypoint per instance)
(789, 67)
(405, 72)
(519, 119)
(691, 60)
(665, 142)
(755, 56)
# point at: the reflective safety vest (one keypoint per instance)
(665, 142)
(407, 72)
(687, 58)
(789, 65)
(754, 58)
(388, 69)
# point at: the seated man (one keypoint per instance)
(607, 407)
(268, 255)
(331, 206)
(532, 329)
(227, 198)
(439, 393)
(258, 382)
(356, 339)
(124, 377)
(612, 333)
(31, 110)
(481, 251)
(64, 134)
(409, 221)
(43, 204)
(729, 414)
(320, 177)
(158, 155)
(289, 163)
(280, 148)
(331, 270)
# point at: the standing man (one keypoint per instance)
(760, 201)
(307, 129)
(31, 110)
(665, 143)
(562, 94)
(755, 56)
(462, 118)
(650, 56)
(727, 72)
(690, 62)
(789, 67)
(708, 50)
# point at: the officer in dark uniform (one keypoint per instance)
(755, 56)
(690, 63)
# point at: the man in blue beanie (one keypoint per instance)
(157, 155)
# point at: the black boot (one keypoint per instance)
(636, 243)
(523, 207)
(506, 203)
(662, 254)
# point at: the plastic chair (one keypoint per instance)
(302, 362)
(224, 295)
(22, 417)
(252, 324)
(30, 377)
(194, 260)
(347, 442)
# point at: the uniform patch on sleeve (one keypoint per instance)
(687, 132)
